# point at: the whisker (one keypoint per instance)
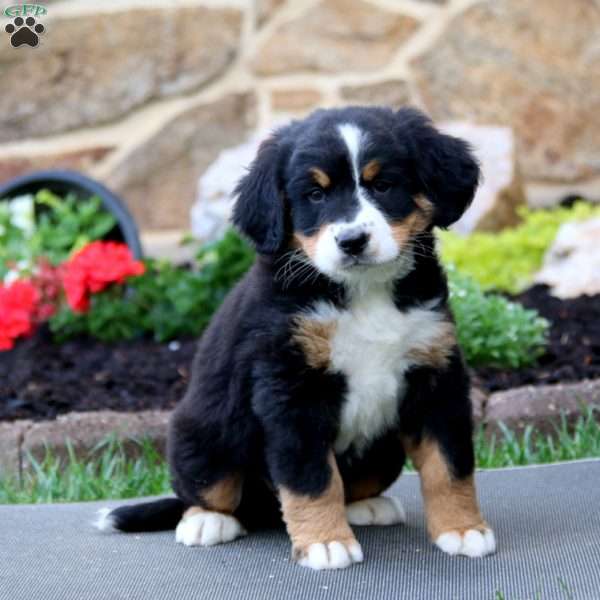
(289, 258)
(296, 265)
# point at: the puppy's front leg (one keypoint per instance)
(453, 518)
(438, 437)
(317, 524)
(299, 421)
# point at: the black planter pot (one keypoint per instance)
(62, 182)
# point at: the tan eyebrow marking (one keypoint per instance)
(320, 177)
(370, 170)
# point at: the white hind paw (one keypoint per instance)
(381, 510)
(207, 529)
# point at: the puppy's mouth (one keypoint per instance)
(375, 269)
(364, 262)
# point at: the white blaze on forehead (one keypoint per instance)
(353, 138)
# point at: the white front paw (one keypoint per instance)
(207, 529)
(472, 543)
(376, 511)
(332, 555)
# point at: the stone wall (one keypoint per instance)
(145, 94)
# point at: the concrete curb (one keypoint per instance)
(21, 440)
(517, 408)
(540, 405)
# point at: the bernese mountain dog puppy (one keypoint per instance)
(335, 357)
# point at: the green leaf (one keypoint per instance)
(491, 330)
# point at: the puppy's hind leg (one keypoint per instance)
(378, 510)
(207, 475)
(367, 478)
(211, 521)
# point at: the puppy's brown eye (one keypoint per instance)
(316, 195)
(381, 186)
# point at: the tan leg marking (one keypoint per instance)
(213, 522)
(224, 496)
(314, 337)
(438, 354)
(318, 526)
(450, 504)
(453, 518)
(365, 488)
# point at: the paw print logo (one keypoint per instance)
(24, 31)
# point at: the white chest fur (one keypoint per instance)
(372, 347)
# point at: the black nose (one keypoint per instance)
(353, 241)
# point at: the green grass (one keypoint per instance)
(109, 473)
(565, 442)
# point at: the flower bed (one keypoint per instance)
(40, 379)
(92, 328)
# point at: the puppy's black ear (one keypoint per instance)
(259, 211)
(447, 173)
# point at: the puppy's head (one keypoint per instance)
(355, 188)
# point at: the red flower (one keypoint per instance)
(17, 309)
(94, 268)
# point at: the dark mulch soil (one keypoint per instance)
(573, 351)
(39, 379)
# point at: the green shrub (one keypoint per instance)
(69, 225)
(223, 262)
(49, 226)
(507, 260)
(491, 330)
